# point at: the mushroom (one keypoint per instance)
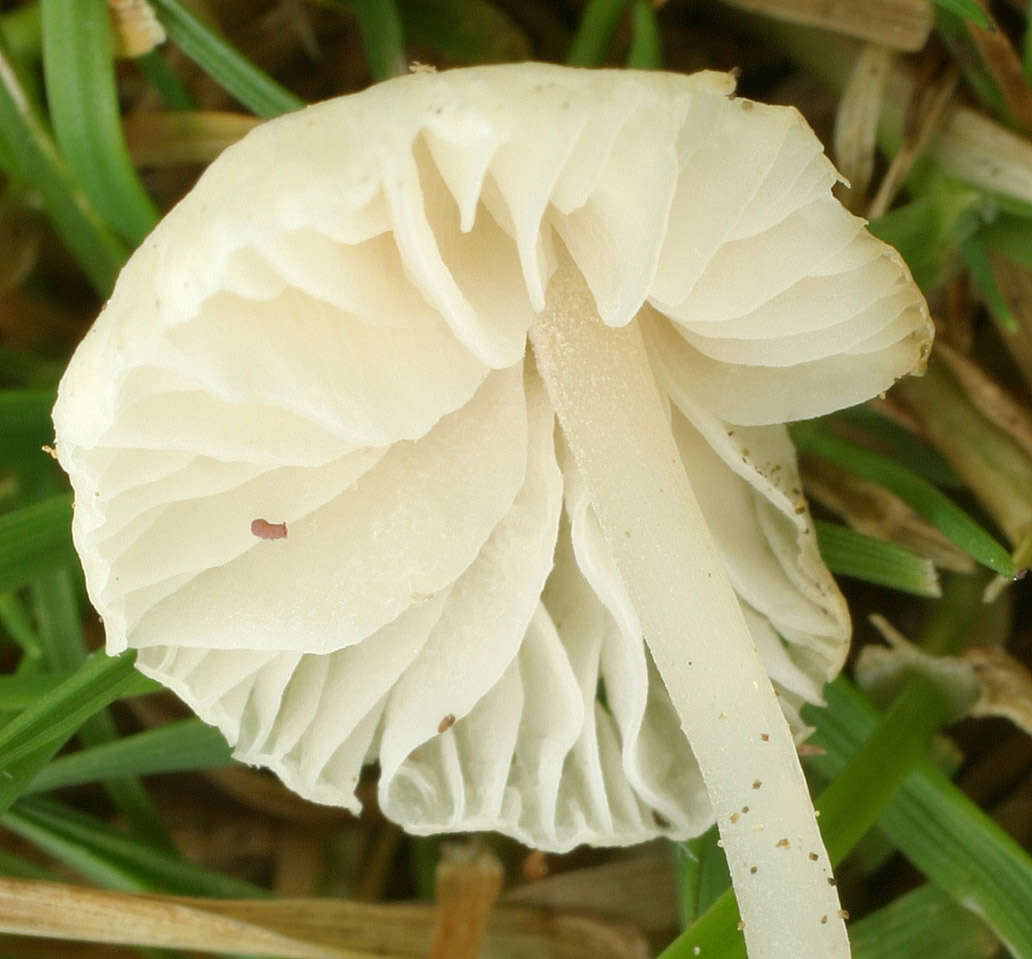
(515, 573)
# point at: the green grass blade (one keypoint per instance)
(464, 31)
(646, 52)
(938, 828)
(928, 229)
(12, 865)
(27, 141)
(103, 854)
(17, 776)
(595, 31)
(22, 29)
(55, 597)
(865, 785)
(901, 445)
(35, 539)
(967, 10)
(16, 623)
(57, 610)
(58, 714)
(21, 690)
(1008, 234)
(24, 423)
(166, 81)
(25, 369)
(700, 869)
(919, 924)
(383, 38)
(849, 553)
(79, 66)
(916, 492)
(184, 746)
(226, 65)
(981, 271)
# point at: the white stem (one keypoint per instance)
(616, 424)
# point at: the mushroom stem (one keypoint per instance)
(617, 426)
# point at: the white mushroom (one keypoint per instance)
(329, 336)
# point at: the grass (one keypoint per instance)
(102, 777)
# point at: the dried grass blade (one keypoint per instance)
(292, 928)
(992, 400)
(856, 122)
(180, 137)
(637, 891)
(900, 24)
(1015, 283)
(932, 112)
(1003, 64)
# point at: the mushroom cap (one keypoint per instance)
(330, 332)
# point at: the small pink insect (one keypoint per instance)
(263, 529)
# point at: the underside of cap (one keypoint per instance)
(329, 333)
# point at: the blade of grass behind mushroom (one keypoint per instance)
(78, 60)
(595, 31)
(54, 595)
(900, 25)
(849, 553)
(646, 50)
(995, 467)
(14, 620)
(298, 928)
(991, 65)
(35, 160)
(872, 510)
(253, 88)
(856, 123)
(634, 890)
(183, 136)
(57, 715)
(1016, 285)
(24, 424)
(981, 272)
(184, 746)
(34, 539)
(919, 494)
(90, 847)
(980, 865)
(875, 426)
(921, 923)
(968, 144)
(464, 31)
(165, 80)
